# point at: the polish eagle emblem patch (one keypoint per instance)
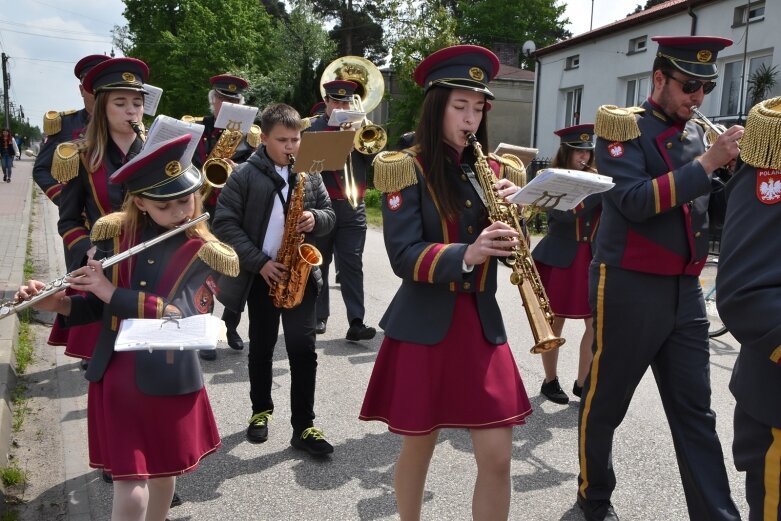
(393, 200)
(769, 186)
(616, 149)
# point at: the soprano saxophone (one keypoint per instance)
(524, 273)
(297, 256)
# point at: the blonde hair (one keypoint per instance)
(96, 136)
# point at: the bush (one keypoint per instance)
(372, 198)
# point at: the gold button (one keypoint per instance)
(150, 261)
(464, 177)
(697, 234)
(470, 229)
(669, 145)
(468, 203)
(142, 283)
(467, 285)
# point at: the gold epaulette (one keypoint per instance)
(307, 122)
(52, 121)
(511, 168)
(192, 119)
(65, 162)
(617, 124)
(220, 257)
(394, 170)
(760, 145)
(107, 227)
(253, 136)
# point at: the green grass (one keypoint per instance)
(24, 348)
(373, 211)
(12, 476)
(19, 406)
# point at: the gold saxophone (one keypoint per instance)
(216, 169)
(524, 274)
(297, 256)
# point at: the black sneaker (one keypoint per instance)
(106, 477)
(597, 510)
(84, 364)
(176, 500)
(320, 326)
(257, 432)
(553, 392)
(577, 390)
(208, 354)
(234, 340)
(360, 331)
(312, 440)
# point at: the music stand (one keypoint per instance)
(322, 151)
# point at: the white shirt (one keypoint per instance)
(276, 223)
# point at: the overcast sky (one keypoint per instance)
(45, 38)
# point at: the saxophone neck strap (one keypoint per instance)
(467, 170)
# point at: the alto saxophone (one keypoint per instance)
(216, 169)
(297, 256)
(524, 274)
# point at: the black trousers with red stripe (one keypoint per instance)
(757, 452)
(643, 320)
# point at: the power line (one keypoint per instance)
(39, 27)
(57, 37)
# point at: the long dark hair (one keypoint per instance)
(428, 137)
(565, 153)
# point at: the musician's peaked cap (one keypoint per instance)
(317, 109)
(468, 67)
(230, 87)
(117, 74)
(692, 55)
(162, 174)
(84, 65)
(579, 136)
(340, 90)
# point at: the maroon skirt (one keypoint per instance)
(136, 436)
(79, 341)
(464, 381)
(567, 288)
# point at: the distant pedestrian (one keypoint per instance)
(8, 151)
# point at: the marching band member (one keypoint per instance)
(644, 289)
(348, 237)
(445, 361)
(64, 126)
(749, 297)
(563, 256)
(85, 166)
(225, 88)
(251, 216)
(149, 417)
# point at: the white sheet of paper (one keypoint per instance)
(165, 127)
(195, 332)
(339, 117)
(151, 99)
(232, 114)
(561, 189)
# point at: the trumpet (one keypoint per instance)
(15, 306)
(716, 129)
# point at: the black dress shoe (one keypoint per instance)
(208, 354)
(553, 392)
(176, 500)
(597, 509)
(234, 340)
(577, 390)
(106, 477)
(320, 327)
(360, 331)
(84, 364)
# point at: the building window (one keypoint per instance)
(637, 90)
(573, 62)
(572, 99)
(749, 14)
(639, 44)
(732, 80)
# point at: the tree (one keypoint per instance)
(486, 22)
(648, 5)
(185, 42)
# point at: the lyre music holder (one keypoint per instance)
(323, 151)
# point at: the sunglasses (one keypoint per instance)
(692, 86)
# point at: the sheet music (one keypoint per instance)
(232, 114)
(151, 99)
(195, 332)
(339, 117)
(561, 189)
(165, 127)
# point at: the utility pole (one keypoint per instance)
(6, 86)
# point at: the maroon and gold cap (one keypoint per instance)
(692, 55)
(117, 74)
(578, 136)
(162, 174)
(468, 67)
(228, 86)
(340, 90)
(84, 65)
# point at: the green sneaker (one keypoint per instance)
(257, 432)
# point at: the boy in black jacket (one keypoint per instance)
(250, 217)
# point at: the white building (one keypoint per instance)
(611, 65)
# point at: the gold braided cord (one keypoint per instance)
(107, 227)
(220, 257)
(393, 171)
(617, 124)
(760, 145)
